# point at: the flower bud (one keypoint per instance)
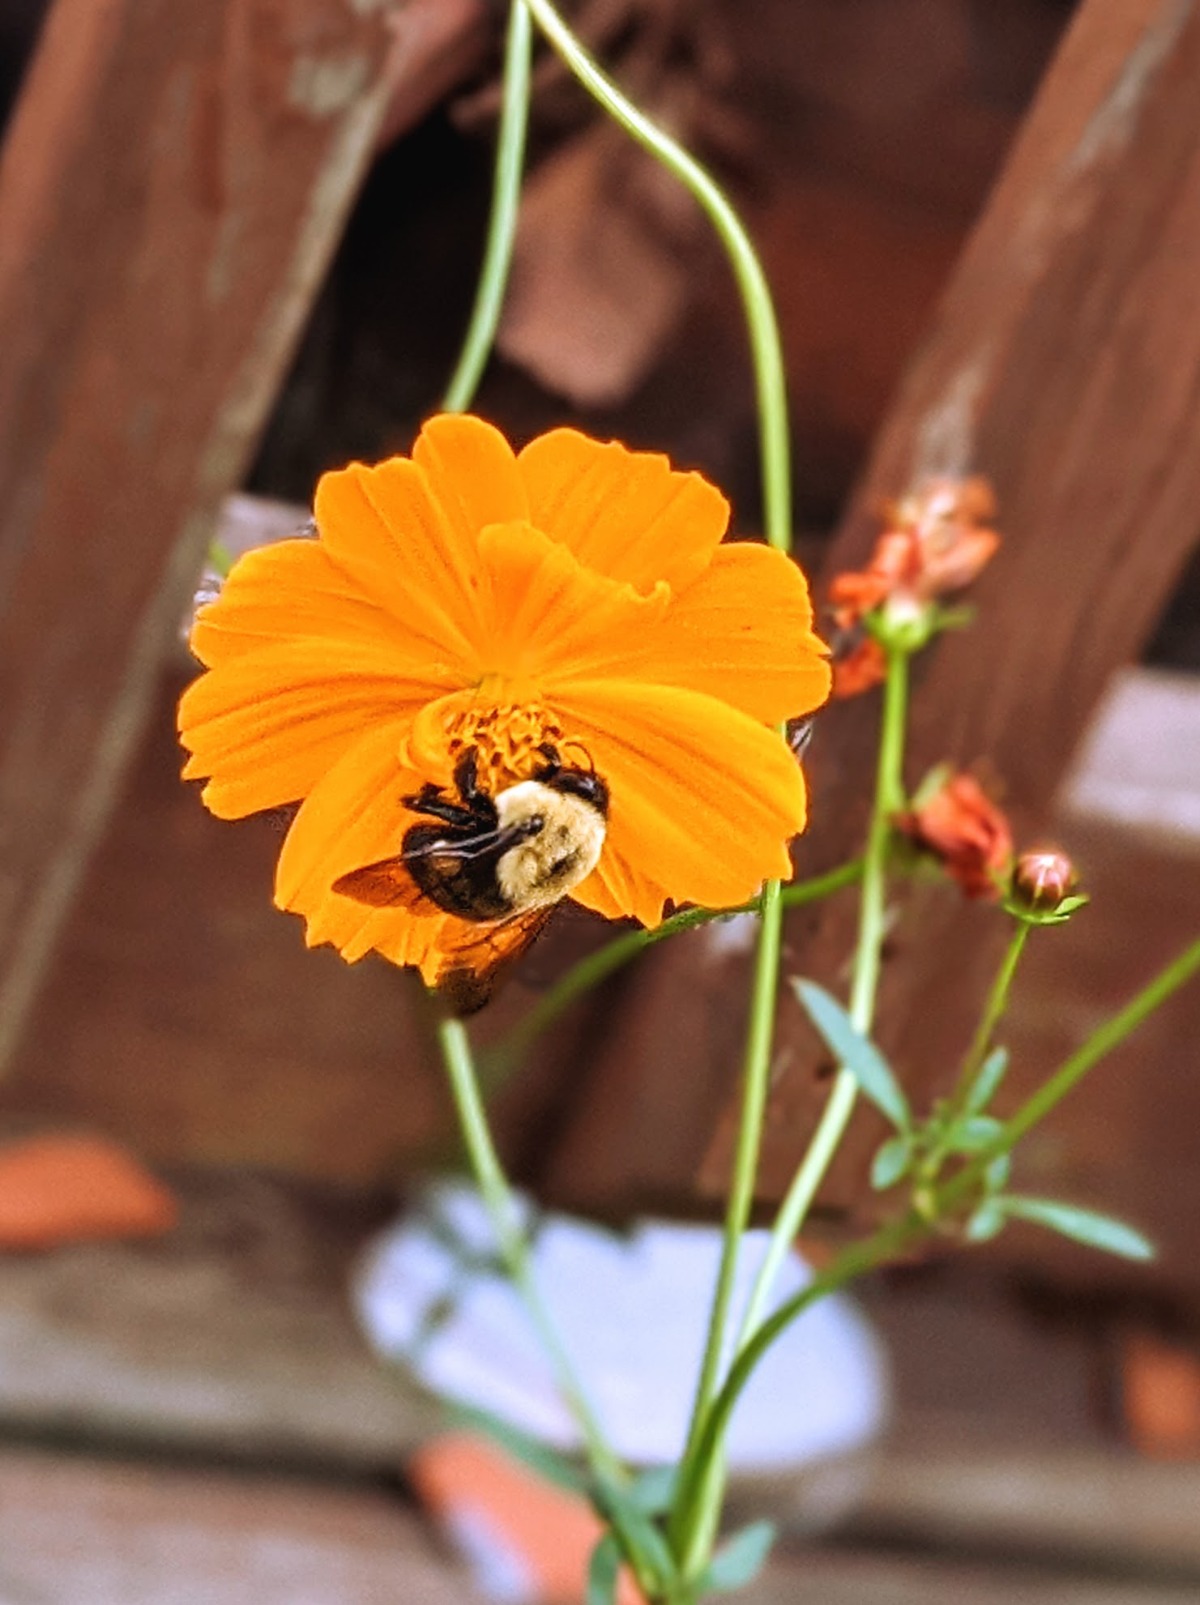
(1042, 879)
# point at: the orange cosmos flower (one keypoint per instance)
(570, 606)
(959, 824)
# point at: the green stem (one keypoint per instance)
(596, 967)
(771, 394)
(752, 283)
(889, 797)
(502, 224)
(749, 1137)
(993, 1013)
(1068, 1075)
(701, 1487)
(502, 1212)
(898, 1236)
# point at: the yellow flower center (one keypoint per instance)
(506, 738)
(506, 723)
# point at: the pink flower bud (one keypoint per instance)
(1043, 878)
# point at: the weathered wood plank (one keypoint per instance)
(116, 1534)
(231, 1338)
(171, 188)
(1091, 1507)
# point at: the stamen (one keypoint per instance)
(507, 740)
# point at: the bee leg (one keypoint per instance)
(553, 764)
(466, 778)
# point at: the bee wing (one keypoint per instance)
(386, 884)
(473, 962)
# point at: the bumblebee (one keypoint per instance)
(499, 864)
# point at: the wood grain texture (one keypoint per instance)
(1064, 363)
(127, 1534)
(172, 186)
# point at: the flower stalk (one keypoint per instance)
(502, 1211)
(993, 1013)
(502, 221)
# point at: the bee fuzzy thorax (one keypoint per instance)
(566, 837)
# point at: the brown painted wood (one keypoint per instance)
(1064, 363)
(116, 1533)
(173, 183)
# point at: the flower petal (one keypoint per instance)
(264, 727)
(355, 816)
(742, 632)
(627, 514)
(617, 891)
(704, 800)
(472, 472)
(550, 617)
(386, 528)
(294, 589)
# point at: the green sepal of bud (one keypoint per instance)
(1058, 915)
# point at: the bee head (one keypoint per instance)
(572, 780)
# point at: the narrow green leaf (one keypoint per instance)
(987, 1082)
(653, 1490)
(603, 1572)
(971, 1136)
(739, 1561)
(1081, 1225)
(891, 1162)
(987, 1222)
(997, 1174)
(851, 1049)
(529, 1451)
(639, 1534)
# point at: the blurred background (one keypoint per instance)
(239, 247)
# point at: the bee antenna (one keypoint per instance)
(580, 748)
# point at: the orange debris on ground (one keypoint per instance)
(68, 1188)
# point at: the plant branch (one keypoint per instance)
(502, 222)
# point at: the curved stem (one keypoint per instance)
(992, 1014)
(771, 394)
(1068, 1075)
(596, 967)
(502, 1212)
(752, 283)
(502, 224)
(889, 797)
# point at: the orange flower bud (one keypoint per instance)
(960, 825)
(1043, 878)
(858, 669)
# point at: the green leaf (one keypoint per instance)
(740, 1560)
(653, 1490)
(639, 1535)
(603, 1572)
(531, 1452)
(860, 1056)
(1070, 904)
(971, 1136)
(1081, 1225)
(987, 1083)
(891, 1162)
(987, 1222)
(997, 1173)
